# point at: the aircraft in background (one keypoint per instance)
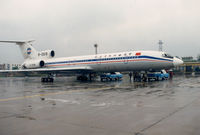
(44, 62)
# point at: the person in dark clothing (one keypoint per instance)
(130, 75)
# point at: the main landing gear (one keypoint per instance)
(86, 77)
(49, 78)
(82, 78)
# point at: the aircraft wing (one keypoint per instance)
(67, 70)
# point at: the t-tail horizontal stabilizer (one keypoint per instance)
(26, 48)
(17, 42)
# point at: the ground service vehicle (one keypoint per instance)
(162, 75)
(111, 76)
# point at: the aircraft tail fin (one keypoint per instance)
(26, 48)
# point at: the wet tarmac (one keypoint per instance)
(69, 107)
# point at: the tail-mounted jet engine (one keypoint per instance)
(33, 64)
(46, 54)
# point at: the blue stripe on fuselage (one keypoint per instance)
(108, 59)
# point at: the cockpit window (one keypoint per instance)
(167, 56)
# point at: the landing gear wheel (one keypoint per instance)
(47, 79)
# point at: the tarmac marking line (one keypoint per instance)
(47, 94)
(166, 117)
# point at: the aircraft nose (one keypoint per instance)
(177, 61)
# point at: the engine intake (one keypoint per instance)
(42, 63)
(33, 64)
(52, 53)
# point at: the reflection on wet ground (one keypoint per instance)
(71, 107)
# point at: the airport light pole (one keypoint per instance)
(95, 46)
(160, 45)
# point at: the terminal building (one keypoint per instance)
(7, 66)
(190, 65)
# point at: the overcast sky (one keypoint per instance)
(72, 27)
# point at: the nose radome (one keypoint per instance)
(177, 62)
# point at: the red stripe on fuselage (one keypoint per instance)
(107, 62)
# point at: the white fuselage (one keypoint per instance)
(44, 61)
(124, 61)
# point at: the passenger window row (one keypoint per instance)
(115, 55)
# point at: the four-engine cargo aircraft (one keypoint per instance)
(44, 62)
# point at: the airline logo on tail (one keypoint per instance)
(28, 51)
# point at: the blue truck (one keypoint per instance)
(162, 75)
(113, 76)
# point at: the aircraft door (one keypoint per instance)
(125, 60)
(99, 59)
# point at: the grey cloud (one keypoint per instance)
(72, 27)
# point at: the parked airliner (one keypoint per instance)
(45, 62)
